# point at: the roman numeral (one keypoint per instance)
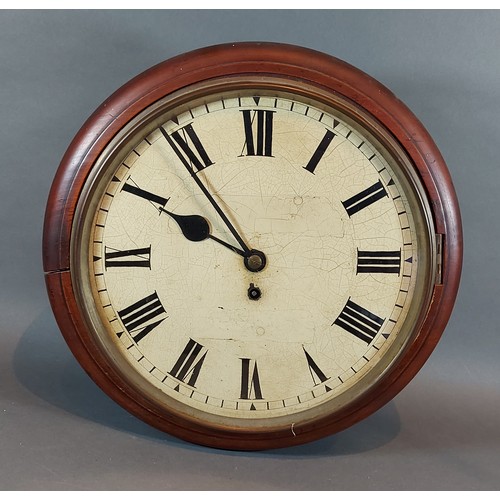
(141, 193)
(379, 262)
(136, 257)
(317, 375)
(137, 317)
(250, 383)
(264, 132)
(365, 198)
(320, 151)
(195, 156)
(189, 363)
(358, 321)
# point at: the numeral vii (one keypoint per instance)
(259, 144)
(358, 321)
(137, 318)
(189, 363)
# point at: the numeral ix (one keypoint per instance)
(136, 257)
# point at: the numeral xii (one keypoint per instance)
(259, 143)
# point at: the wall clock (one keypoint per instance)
(252, 245)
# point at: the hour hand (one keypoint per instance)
(197, 228)
(193, 227)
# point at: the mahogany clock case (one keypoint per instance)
(213, 65)
(60, 431)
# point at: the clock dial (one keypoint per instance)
(252, 255)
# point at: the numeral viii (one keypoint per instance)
(138, 317)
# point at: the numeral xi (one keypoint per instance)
(190, 156)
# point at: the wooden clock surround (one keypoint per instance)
(261, 59)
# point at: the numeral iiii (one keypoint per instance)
(360, 322)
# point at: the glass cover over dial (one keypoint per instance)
(254, 255)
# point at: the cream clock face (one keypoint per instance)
(254, 255)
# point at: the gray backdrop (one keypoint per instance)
(58, 431)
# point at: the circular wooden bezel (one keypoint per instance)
(265, 60)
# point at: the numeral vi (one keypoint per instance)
(250, 383)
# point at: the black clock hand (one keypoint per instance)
(246, 250)
(197, 228)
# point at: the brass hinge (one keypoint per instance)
(439, 259)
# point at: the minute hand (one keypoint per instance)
(234, 232)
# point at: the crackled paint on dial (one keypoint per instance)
(300, 185)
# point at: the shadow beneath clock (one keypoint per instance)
(369, 434)
(44, 365)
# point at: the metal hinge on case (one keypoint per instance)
(439, 259)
